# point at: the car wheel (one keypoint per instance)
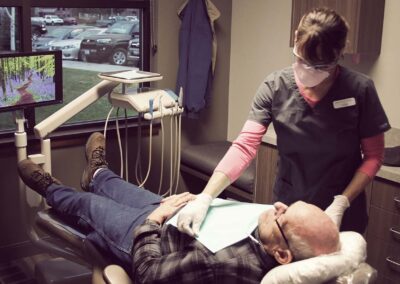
(118, 56)
(83, 57)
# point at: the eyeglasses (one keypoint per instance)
(326, 66)
(282, 233)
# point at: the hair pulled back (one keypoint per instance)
(321, 35)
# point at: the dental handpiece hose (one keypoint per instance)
(151, 109)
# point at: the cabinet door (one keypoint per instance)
(266, 165)
(365, 18)
(349, 9)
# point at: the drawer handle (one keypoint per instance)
(394, 263)
(397, 201)
(395, 231)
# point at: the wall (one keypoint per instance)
(260, 45)
(213, 121)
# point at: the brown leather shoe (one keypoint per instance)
(35, 177)
(95, 158)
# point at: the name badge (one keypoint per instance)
(344, 103)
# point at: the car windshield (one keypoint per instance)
(61, 33)
(120, 28)
(88, 33)
(57, 33)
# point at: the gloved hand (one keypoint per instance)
(336, 210)
(192, 215)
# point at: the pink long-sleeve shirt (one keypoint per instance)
(244, 149)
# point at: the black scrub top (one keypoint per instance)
(319, 147)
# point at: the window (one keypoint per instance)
(9, 42)
(93, 37)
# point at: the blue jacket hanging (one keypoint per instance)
(197, 52)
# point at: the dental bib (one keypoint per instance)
(227, 223)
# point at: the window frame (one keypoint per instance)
(25, 7)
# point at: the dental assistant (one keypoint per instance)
(329, 125)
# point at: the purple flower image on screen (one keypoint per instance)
(42, 89)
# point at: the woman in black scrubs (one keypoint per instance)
(329, 124)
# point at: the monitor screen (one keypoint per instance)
(30, 80)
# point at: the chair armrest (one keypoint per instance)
(114, 274)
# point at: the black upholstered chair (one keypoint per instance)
(199, 161)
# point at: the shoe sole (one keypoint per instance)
(85, 174)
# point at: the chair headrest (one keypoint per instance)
(324, 267)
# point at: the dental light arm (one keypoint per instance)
(44, 128)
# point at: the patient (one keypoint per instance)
(125, 222)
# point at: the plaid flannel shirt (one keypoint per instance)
(162, 254)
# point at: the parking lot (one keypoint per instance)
(96, 67)
(119, 44)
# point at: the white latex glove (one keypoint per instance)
(336, 210)
(192, 215)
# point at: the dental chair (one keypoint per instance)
(72, 244)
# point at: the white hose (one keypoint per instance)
(138, 164)
(126, 147)
(119, 145)
(150, 144)
(178, 152)
(162, 157)
(106, 124)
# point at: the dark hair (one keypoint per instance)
(321, 35)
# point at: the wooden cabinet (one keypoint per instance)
(365, 18)
(383, 232)
(266, 167)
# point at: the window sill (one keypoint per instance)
(75, 135)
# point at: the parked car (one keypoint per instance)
(38, 20)
(70, 47)
(38, 28)
(70, 21)
(105, 23)
(134, 51)
(42, 43)
(53, 20)
(112, 45)
(131, 18)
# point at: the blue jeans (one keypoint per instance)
(111, 211)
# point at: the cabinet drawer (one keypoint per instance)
(386, 195)
(384, 280)
(378, 251)
(384, 225)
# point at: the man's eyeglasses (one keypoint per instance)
(282, 233)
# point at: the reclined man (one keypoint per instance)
(125, 222)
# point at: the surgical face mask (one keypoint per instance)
(309, 76)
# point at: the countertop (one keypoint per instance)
(392, 138)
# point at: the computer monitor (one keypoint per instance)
(30, 80)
